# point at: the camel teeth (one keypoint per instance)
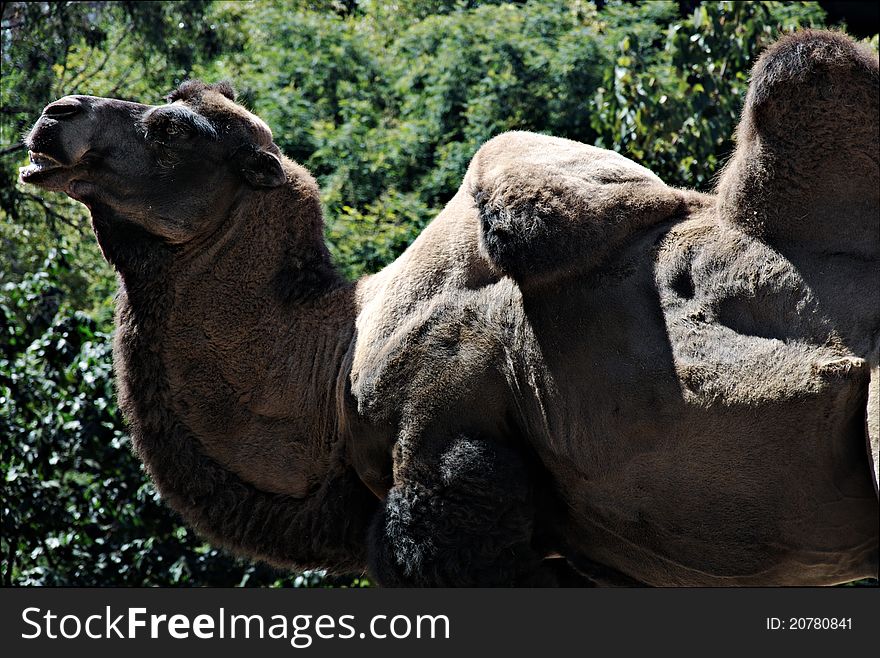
(41, 160)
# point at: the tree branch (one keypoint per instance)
(51, 212)
(10, 563)
(121, 81)
(81, 77)
(75, 74)
(59, 86)
(6, 150)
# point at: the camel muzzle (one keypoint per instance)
(57, 142)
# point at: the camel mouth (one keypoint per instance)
(41, 165)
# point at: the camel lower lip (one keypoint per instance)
(40, 164)
(31, 172)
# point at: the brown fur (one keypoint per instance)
(535, 193)
(573, 359)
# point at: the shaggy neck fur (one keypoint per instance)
(233, 398)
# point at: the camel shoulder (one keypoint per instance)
(548, 206)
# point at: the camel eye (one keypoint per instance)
(170, 126)
(179, 129)
(166, 132)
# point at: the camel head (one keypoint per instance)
(172, 171)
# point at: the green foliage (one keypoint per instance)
(363, 241)
(672, 98)
(385, 102)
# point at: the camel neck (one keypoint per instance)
(230, 381)
(253, 345)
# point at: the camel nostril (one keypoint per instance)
(63, 109)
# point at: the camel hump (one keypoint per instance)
(550, 206)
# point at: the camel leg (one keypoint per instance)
(465, 518)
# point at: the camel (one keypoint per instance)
(575, 375)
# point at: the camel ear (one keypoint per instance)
(263, 169)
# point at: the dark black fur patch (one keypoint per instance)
(470, 525)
